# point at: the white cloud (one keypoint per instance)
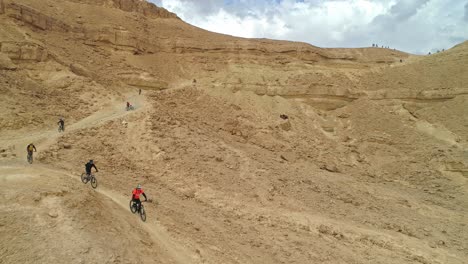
(416, 26)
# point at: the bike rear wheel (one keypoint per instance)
(84, 178)
(93, 182)
(142, 213)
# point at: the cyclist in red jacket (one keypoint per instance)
(136, 196)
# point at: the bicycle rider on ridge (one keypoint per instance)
(136, 196)
(30, 148)
(89, 166)
(61, 124)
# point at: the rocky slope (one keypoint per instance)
(253, 150)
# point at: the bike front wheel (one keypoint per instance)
(93, 182)
(143, 214)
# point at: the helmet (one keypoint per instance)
(139, 186)
(91, 161)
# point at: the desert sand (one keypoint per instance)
(370, 165)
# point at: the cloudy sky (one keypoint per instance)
(416, 26)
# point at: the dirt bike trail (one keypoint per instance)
(43, 139)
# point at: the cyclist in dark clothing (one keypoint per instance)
(61, 124)
(30, 148)
(89, 166)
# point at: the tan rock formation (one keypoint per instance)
(251, 150)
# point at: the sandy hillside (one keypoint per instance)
(370, 165)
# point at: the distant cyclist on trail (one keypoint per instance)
(136, 196)
(30, 148)
(129, 106)
(89, 166)
(61, 124)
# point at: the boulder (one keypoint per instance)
(13, 50)
(285, 125)
(330, 166)
(23, 51)
(33, 52)
(6, 63)
(144, 80)
(67, 146)
(53, 214)
(80, 70)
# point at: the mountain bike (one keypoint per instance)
(30, 157)
(61, 128)
(128, 108)
(134, 209)
(86, 178)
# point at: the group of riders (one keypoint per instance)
(136, 193)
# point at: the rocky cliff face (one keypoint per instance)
(138, 37)
(143, 7)
(147, 36)
(36, 16)
(139, 6)
(23, 51)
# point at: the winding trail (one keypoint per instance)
(43, 139)
(159, 235)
